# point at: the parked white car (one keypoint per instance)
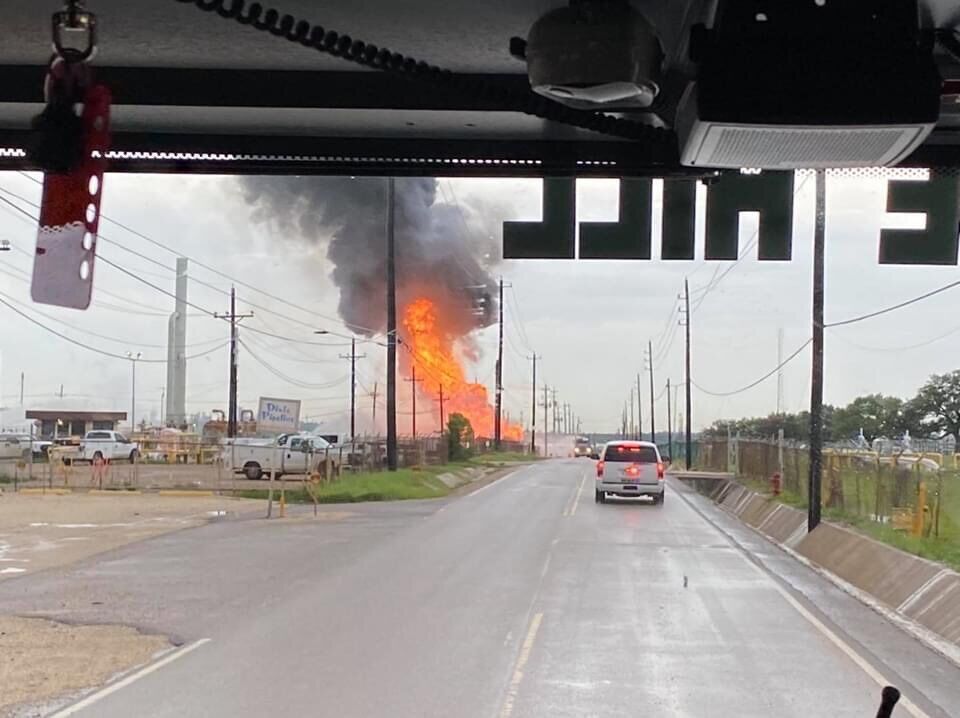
(109, 445)
(14, 446)
(287, 454)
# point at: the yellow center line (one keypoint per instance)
(514, 688)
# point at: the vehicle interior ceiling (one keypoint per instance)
(197, 92)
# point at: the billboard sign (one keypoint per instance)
(278, 416)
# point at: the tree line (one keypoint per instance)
(933, 413)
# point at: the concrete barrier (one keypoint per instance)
(914, 588)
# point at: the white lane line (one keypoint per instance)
(576, 499)
(127, 680)
(878, 678)
(493, 483)
(521, 663)
(851, 653)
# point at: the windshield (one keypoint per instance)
(471, 360)
(634, 454)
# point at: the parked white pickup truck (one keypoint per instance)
(14, 446)
(287, 454)
(110, 445)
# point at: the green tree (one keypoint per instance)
(459, 437)
(876, 414)
(938, 405)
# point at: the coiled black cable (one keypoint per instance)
(380, 58)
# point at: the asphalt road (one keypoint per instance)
(523, 599)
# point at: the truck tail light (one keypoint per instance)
(660, 470)
(599, 469)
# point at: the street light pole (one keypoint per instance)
(133, 389)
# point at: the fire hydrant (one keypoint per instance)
(776, 483)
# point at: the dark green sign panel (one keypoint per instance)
(770, 194)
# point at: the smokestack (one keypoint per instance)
(176, 399)
(436, 256)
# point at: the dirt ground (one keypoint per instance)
(143, 476)
(41, 660)
(38, 532)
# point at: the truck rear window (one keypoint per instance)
(633, 454)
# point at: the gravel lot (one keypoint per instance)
(143, 476)
(37, 532)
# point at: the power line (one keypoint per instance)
(111, 243)
(216, 271)
(908, 347)
(751, 243)
(27, 278)
(520, 324)
(285, 377)
(96, 349)
(901, 305)
(105, 337)
(758, 381)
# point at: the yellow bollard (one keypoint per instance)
(283, 504)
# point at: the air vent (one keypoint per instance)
(787, 147)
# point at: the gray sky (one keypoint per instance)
(589, 319)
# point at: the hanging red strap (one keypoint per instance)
(72, 152)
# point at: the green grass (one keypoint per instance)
(499, 457)
(412, 483)
(401, 485)
(944, 548)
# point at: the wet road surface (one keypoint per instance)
(523, 599)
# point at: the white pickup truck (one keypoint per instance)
(109, 445)
(287, 454)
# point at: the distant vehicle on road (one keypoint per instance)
(630, 468)
(107, 445)
(583, 447)
(287, 454)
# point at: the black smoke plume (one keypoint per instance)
(437, 253)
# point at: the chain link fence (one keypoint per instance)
(907, 498)
(198, 463)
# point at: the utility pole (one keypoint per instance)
(21, 388)
(374, 394)
(689, 410)
(779, 371)
(233, 318)
(816, 373)
(352, 356)
(633, 426)
(653, 423)
(441, 410)
(639, 410)
(669, 424)
(533, 409)
(391, 331)
(546, 421)
(413, 388)
(133, 389)
(556, 419)
(498, 417)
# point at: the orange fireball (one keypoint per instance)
(432, 350)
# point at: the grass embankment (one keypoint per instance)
(413, 483)
(941, 541)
